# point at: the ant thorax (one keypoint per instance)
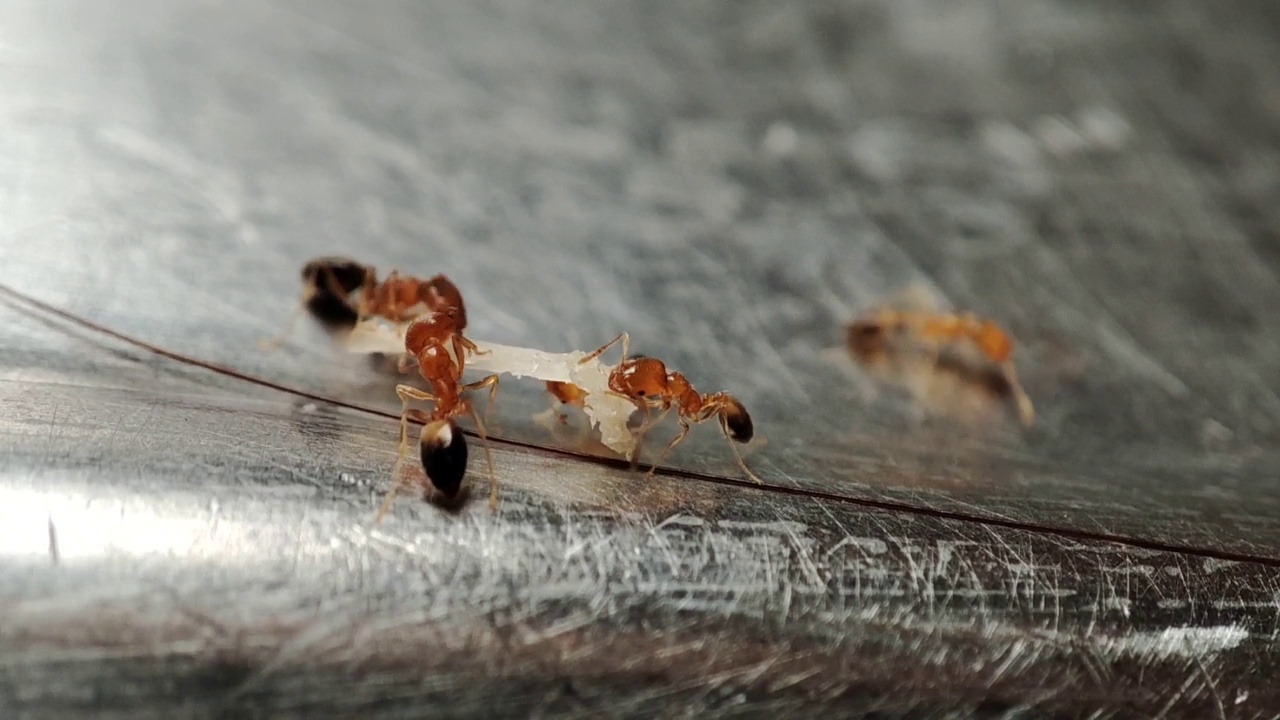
(682, 395)
(606, 410)
(641, 379)
(435, 327)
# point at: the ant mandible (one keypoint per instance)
(329, 284)
(435, 344)
(933, 330)
(648, 383)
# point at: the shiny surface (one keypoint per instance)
(226, 558)
(731, 184)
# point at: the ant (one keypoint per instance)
(648, 383)
(435, 344)
(566, 393)
(869, 334)
(329, 284)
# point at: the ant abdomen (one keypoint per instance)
(330, 282)
(335, 314)
(737, 422)
(347, 275)
(444, 455)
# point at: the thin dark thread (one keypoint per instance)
(886, 505)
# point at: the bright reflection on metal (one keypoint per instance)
(73, 527)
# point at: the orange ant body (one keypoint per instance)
(434, 343)
(648, 383)
(869, 334)
(567, 393)
(329, 285)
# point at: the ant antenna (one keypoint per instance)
(626, 342)
(273, 343)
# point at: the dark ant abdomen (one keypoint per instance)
(331, 311)
(324, 273)
(738, 422)
(444, 456)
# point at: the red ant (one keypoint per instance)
(649, 384)
(567, 394)
(868, 335)
(329, 284)
(435, 344)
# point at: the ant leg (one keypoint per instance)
(488, 457)
(407, 393)
(742, 463)
(489, 382)
(684, 430)
(1026, 411)
(645, 426)
(492, 382)
(397, 476)
(734, 432)
(405, 363)
(271, 343)
(639, 436)
(626, 341)
(365, 308)
(470, 346)
(396, 482)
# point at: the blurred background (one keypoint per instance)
(732, 183)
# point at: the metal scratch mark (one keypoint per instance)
(54, 555)
(1188, 642)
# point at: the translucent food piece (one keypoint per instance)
(606, 410)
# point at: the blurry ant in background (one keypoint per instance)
(870, 338)
(435, 345)
(647, 383)
(329, 293)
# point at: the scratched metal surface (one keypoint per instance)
(212, 554)
(730, 182)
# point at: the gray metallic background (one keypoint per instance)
(731, 183)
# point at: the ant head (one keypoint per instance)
(446, 296)
(736, 421)
(866, 337)
(641, 377)
(436, 326)
(333, 273)
(444, 455)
